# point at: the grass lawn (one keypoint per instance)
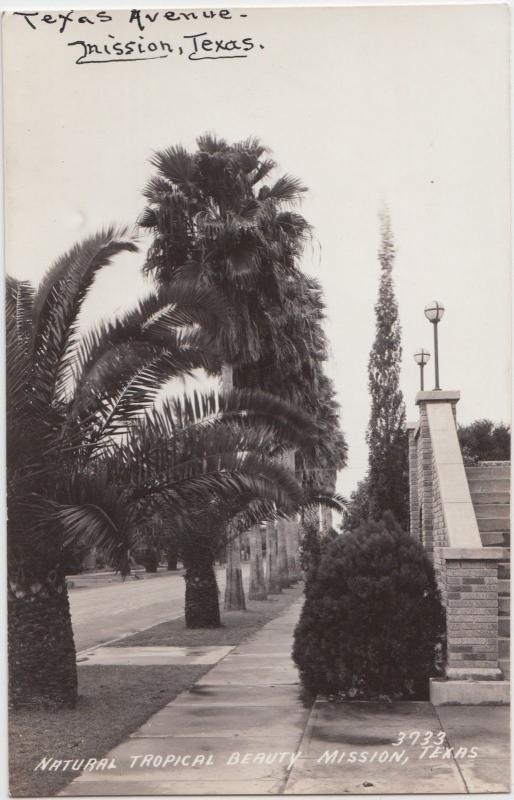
(116, 700)
(236, 625)
(113, 702)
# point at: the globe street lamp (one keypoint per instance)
(421, 357)
(434, 313)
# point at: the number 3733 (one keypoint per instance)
(421, 738)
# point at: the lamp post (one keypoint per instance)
(434, 313)
(421, 357)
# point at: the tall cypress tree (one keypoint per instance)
(387, 479)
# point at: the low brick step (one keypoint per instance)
(477, 485)
(495, 510)
(504, 606)
(493, 524)
(495, 538)
(488, 472)
(505, 667)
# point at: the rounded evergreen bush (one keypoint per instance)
(372, 625)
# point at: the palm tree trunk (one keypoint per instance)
(89, 561)
(286, 545)
(257, 582)
(41, 650)
(172, 553)
(293, 550)
(172, 559)
(234, 592)
(326, 520)
(202, 609)
(283, 567)
(272, 576)
(326, 513)
(151, 560)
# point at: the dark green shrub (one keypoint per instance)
(372, 621)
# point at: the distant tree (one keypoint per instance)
(484, 440)
(357, 509)
(387, 477)
(310, 549)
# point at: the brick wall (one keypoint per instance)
(472, 613)
(467, 573)
(425, 483)
(413, 482)
(439, 532)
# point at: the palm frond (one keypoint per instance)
(291, 425)
(157, 190)
(98, 516)
(254, 419)
(58, 302)
(251, 145)
(325, 498)
(19, 297)
(209, 143)
(285, 189)
(175, 164)
(148, 219)
(155, 323)
(223, 477)
(126, 380)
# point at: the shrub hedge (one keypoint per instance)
(372, 625)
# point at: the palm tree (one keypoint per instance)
(249, 430)
(291, 366)
(41, 434)
(216, 222)
(69, 398)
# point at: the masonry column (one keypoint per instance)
(413, 433)
(472, 612)
(427, 501)
(467, 572)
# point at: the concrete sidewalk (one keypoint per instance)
(242, 729)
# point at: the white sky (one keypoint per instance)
(403, 105)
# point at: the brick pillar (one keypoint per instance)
(427, 499)
(425, 483)
(472, 612)
(467, 572)
(412, 429)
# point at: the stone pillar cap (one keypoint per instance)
(439, 396)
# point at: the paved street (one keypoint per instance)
(104, 612)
